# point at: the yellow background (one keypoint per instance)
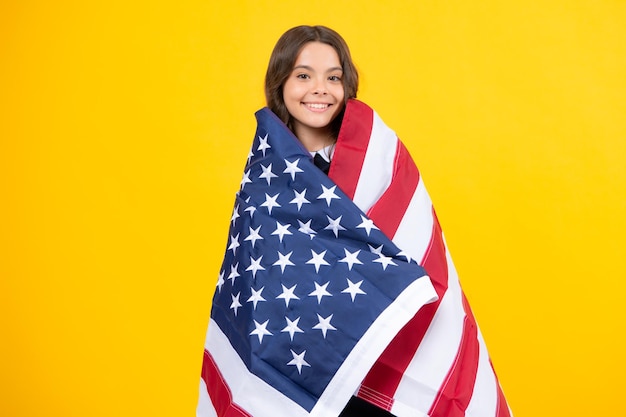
(124, 127)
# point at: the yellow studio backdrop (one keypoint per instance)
(124, 127)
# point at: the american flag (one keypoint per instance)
(323, 291)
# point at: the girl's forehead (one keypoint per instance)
(317, 53)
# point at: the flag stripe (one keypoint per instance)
(485, 396)
(351, 148)
(218, 390)
(391, 207)
(205, 407)
(456, 392)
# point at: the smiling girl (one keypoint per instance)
(337, 296)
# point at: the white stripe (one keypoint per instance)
(484, 399)
(205, 406)
(249, 391)
(436, 354)
(378, 165)
(415, 229)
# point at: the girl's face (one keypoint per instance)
(313, 94)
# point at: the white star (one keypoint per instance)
(251, 209)
(292, 168)
(299, 199)
(328, 194)
(320, 291)
(220, 281)
(376, 251)
(235, 304)
(267, 173)
(292, 327)
(283, 261)
(250, 155)
(246, 179)
(235, 215)
(298, 360)
(406, 255)
(288, 294)
(324, 324)
(351, 258)
(256, 297)
(385, 261)
(234, 243)
(260, 330)
(367, 224)
(270, 202)
(281, 231)
(254, 235)
(353, 289)
(263, 144)
(306, 228)
(333, 224)
(233, 272)
(255, 265)
(317, 260)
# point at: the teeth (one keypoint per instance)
(317, 106)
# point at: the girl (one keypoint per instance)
(323, 291)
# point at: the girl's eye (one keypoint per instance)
(334, 78)
(302, 76)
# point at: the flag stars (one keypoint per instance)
(298, 360)
(328, 194)
(320, 291)
(367, 224)
(324, 324)
(376, 251)
(235, 303)
(300, 199)
(260, 330)
(292, 168)
(306, 228)
(270, 202)
(256, 297)
(235, 215)
(317, 260)
(251, 210)
(245, 179)
(253, 235)
(220, 281)
(292, 327)
(334, 225)
(283, 261)
(351, 258)
(267, 173)
(406, 255)
(353, 289)
(288, 294)
(255, 265)
(385, 261)
(233, 272)
(263, 145)
(281, 231)
(234, 243)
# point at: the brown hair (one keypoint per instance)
(284, 57)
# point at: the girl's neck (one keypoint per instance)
(314, 139)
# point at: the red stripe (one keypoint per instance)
(387, 372)
(218, 390)
(456, 391)
(390, 208)
(351, 147)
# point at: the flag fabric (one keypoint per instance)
(339, 285)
